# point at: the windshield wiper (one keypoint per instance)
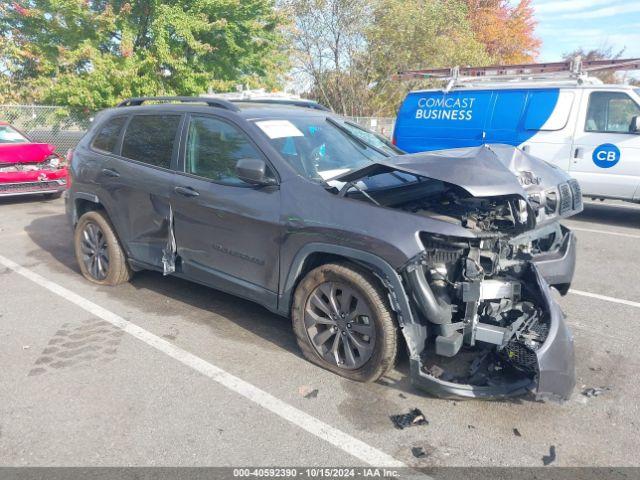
(349, 185)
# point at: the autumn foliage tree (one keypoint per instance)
(349, 49)
(506, 30)
(91, 53)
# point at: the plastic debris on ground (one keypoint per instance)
(307, 392)
(418, 452)
(594, 391)
(414, 418)
(549, 459)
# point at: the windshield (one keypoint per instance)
(374, 139)
(320, 147)
(11, 135)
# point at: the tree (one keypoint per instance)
(506, 30)
(91, 53)
(410, 34)
(327, 39)
(603, 53)
(347, 50)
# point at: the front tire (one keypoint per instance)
(98, 251)
(343, 322)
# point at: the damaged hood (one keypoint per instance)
(485, 171)
(25, 152)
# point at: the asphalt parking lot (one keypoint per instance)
(164, 372)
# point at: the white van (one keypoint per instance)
(591, 130)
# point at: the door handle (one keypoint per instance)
(577, 153)
(186, 192)
(109, 172)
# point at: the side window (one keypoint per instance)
(108, 135)
(610, 112)
(214, 147)
(548, 110)
(150, 139)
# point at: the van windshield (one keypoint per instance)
(321, 147)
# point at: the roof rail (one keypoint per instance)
(210, 101)
(276, 101)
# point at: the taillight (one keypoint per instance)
(69, 157)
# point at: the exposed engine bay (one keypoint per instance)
(478, 214)
(488, 325)
(481, 308)
(52, 163)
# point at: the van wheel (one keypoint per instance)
(343, 323)
(98, 251)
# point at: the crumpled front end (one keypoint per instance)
(495, 329)
(31, 168)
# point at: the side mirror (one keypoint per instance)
(634, 127)
(253, 171)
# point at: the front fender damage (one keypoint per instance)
(493, 332)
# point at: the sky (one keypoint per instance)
(564, 25)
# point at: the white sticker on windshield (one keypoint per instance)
(279, 128)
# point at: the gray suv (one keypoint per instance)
(288, 205)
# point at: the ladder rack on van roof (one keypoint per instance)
(575, 71)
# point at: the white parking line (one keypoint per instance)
(621, 301)
(605, 232)
(326, 432)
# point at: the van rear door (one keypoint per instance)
(606, 154)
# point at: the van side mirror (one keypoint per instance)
(254, 171)
(634, 127)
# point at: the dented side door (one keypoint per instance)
(141, 181)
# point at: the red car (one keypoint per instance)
(27, 167)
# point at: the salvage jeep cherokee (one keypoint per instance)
(291, 206)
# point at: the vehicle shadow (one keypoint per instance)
(190, 301)
(612, 215)
(26, 199)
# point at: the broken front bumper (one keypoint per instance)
(558, 267)
(555, 377)
(33, 182)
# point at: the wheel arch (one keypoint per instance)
(315, 254)
(83, 203)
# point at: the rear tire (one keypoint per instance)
(340, 307)
(98, 251)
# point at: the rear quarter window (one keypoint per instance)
(150, 139)
(548, 110)
(106, 140)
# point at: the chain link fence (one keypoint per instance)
(64, 128)
(58, 126)
(381, 125)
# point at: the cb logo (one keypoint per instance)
(606, 155)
